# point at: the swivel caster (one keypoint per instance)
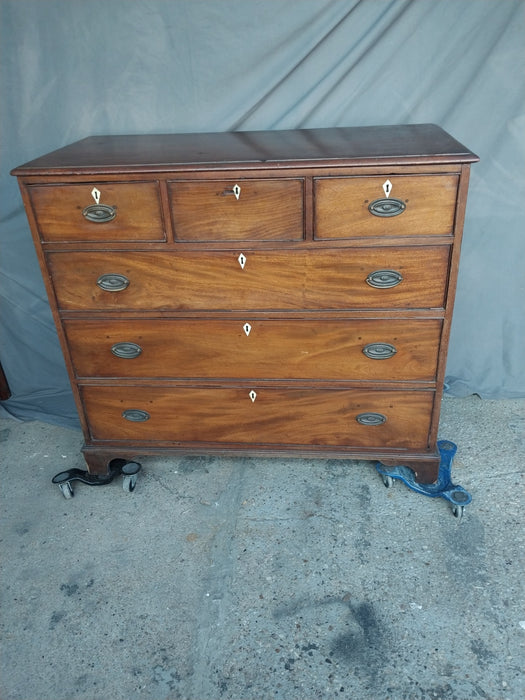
(63, 482)
(387, 481)
(458, 498)
(130, 472)
(457, 511)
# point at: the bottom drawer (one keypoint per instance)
(259, 415)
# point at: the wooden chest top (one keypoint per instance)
(367, 145)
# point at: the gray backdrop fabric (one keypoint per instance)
(74, 68)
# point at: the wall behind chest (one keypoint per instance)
(72, 69)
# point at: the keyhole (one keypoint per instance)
(252, 395)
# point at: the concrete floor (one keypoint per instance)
(259, 579)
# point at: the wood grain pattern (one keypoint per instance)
(286, 416)
(265, 210)
(58, 211)
(401, 144)
(341, 206)
(277, 279)
(274, 349)
(308, 244)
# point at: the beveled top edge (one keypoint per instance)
(367, 145)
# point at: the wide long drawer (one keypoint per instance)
(91, 211)
(298, 279)
(253, 414)
(399, 205)
(248, 348)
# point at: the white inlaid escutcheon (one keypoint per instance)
(247, 328)
(387, 188)
(252, 395)
(236, 191)
(96, 195)
(242, 260)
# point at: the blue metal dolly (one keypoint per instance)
(442, 488)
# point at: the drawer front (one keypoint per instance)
(347, 207)
(234, 210)
(123, 212)
(356, 278)
(244, 349)
(252, 414)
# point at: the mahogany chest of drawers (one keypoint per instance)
(261, 293)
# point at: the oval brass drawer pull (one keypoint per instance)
(379, 351)
(384, 279)
(371, 419)
(99, 213)
(135, 415)
(126, 351)
(386, 207)
(113, 282)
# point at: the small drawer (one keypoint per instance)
(237, 210)
(98, 211)
(370, 350)
(252, 414)
(350, 278)
(397, 205)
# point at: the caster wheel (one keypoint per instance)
(63, 481)
(129, 483)
(130, 472)
(457, 511)
(388, 481)
(67, 489)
